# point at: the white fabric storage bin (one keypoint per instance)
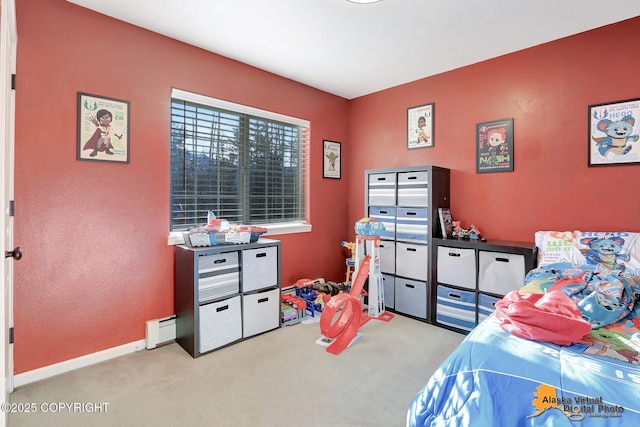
(412, 260)
(457, 267)
(500, 273)
(260, 312)
(389, 283)
(259, 268)
(220, 323)
(387, 251)
(411, 297)
(413, 188)
(382, 189)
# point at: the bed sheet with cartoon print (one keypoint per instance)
(497, 379)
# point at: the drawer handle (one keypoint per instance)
(261, 255)
(453, 254)
(454, 296)
(409, 286)
(412, 213)
(223, 308)
(502, 259)
(220, 261)
(384, 212)
(412, 177)
(412, 249)
(382, 178)
(261, 300)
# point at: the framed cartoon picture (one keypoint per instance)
(613, 133)
(420, 126)
(494, 146)
(331, 160)
(446, 222)
(103, 129)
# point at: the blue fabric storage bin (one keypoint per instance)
(456, 308)
(486, 306)
(387, 216)
(411, 297)
(389, 282)
(412, 224)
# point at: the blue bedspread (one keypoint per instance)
(496, 379)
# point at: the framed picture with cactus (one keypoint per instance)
(103, 129)
(331, 159)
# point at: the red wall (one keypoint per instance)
(96, 265)
(96, 262)
(546, 90)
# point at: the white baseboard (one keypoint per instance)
(77, 363)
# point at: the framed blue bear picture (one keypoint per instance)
(614, 130)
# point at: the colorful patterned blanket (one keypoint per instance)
(608, 299)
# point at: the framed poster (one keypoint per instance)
(331, 159)
(613, 133)
(494, 146)
(446, 222)
(420, 126)
(103, 129)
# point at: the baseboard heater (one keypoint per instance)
(160, 331)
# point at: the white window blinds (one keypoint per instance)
(246, 165)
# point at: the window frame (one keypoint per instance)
(176, 237)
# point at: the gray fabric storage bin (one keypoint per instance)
(382, 189)
(411, 297)
(413, 188)
(218, 275)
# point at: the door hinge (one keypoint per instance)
(10, 335)
(12, 207)
(13, 82)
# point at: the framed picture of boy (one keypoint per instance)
(103, 129)
(420, 126)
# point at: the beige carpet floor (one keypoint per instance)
(280, 378)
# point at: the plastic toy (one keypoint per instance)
(351, 262)
(343, 332)
(304, 290)
(293, 309)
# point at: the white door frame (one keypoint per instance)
(8, 44)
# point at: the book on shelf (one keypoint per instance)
(446, 222)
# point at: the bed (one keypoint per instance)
(564, 350)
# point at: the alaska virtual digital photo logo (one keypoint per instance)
(576, 408)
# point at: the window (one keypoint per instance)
(246, 165)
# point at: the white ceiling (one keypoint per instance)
(350, 49)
